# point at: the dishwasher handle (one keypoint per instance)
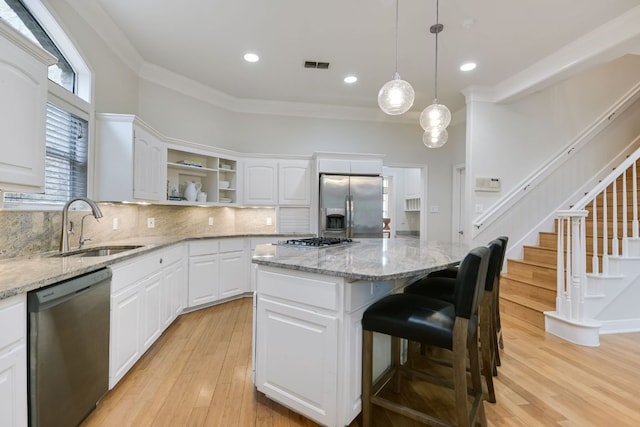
(57, 293)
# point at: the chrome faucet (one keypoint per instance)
(64, 238)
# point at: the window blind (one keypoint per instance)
(66, 160)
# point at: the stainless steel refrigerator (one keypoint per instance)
(350, 206)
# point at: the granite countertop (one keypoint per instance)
(23, 274)
(365, 259)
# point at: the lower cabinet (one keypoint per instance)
(217, 270)
(13, 362)
(147, 293)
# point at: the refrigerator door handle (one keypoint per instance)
(347, 216)
(351, 212)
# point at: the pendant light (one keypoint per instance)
(436, 117)
(396, 96)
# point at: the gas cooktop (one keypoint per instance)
(316, 241)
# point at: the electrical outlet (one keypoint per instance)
(151, 222)
(269, 221)
(115, 223)
(210, 220)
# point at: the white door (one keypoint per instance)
(458, 223)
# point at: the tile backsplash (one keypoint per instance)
(28, 232)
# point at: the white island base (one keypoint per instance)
(308, 341)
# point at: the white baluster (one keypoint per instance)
(595, 268)
(635, 223)
(605, 235)
(576, 273)
(625, 225)
(615, 245)
(560, 269)
(569, 271)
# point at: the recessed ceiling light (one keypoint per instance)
(468, 66)
(251, 57)
(350, 79)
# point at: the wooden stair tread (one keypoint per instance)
(526, 302)
(526, 281)
(534, 263)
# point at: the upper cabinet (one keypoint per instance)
(294, 182)
(23, 108)
(130, 160)
(260, 181)
(367, 166)
(277, 182)
(214, 178)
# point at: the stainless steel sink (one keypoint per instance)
(98, 251)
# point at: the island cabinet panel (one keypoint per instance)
(309, 364)
(13, 362)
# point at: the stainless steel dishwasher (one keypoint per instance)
(68, 349)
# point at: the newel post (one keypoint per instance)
(572, 253)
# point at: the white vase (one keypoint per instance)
(191, 189)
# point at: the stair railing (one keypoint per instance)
(572, 237)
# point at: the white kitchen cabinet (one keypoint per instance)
(260, 182)
(355, 166)
(298, 314)
(294, 182)
(130, 160)
(140, 296)
(203, 272)
(218, 269)
(174, 284)
(23, 108)
(151, 288)
(13, 361)
(217, 175)
(234, 274)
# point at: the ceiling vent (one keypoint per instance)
(316, 64)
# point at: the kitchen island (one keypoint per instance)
(308, 308)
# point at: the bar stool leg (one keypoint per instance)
(460, 371)
(476, 381)
(367, 374)
(487, 349)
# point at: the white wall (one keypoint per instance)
(115, 84)
(511, 141)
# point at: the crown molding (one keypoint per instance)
(613, 39)
(108, 31)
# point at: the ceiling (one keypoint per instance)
(204, 40)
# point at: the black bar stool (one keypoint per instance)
(434, 322)
(443, 287)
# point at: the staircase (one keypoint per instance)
(529, 287)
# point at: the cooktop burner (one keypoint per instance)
(316, 241)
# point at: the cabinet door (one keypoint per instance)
(233, 274)
(149, 161)
(13, 387)
(260, 182)
(151, 289)
(174, 292)
(203, 279)
(124, 348)
(309, 366)
(23, 85)
(294, 182)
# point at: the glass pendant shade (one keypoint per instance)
(435, 116)
(396, 96)
(435, 137)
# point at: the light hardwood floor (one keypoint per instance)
(199, 374)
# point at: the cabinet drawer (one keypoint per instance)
(232, 245)
(135, 269)
(306, 288)
(203, 247)
(361, 294)
(173, 254)
(13, 312)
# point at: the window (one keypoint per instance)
(17, 15)
(67, 141)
